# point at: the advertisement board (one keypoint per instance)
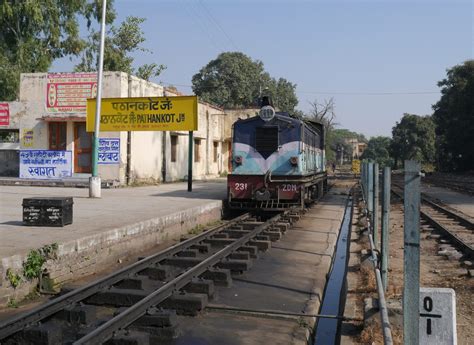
(4, 114)
(68, 92)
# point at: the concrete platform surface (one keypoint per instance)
(290, 277)
(123, 220)
(459, 201)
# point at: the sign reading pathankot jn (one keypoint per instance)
(177, 113)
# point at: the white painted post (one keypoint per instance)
(411, 257)
(375, 213)
(437, 316)
(385, 224)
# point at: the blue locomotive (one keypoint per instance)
(277, 161)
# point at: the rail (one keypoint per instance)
(22, 321)
(462, 245)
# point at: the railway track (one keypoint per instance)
(141, 301)
(450, 224)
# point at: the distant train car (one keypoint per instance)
(277, 162)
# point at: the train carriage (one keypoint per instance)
(277, 162)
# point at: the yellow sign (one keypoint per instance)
(177, 113)
(356, 166)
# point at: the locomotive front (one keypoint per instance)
(277, 162)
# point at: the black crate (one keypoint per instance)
(47, 211)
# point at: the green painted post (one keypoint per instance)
(411, 251)
(385, 224)
(375, 213)
(190, 162)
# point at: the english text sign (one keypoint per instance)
(177, 113)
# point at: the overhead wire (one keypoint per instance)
(341, 93)
(216, 22)
(198, 21)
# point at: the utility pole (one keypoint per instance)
(94, 181)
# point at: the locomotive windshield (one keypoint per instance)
(266, 139)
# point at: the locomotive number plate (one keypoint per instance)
(288, 188)
(240, 186)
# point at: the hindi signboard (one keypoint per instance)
(68, 92)
(4, 114)
(109, 151)
(177, 113)
(45, 164)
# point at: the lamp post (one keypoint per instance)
(94, 181)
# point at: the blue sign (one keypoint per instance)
(45, 164)
(109, 151)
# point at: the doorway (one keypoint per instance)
(82, 148)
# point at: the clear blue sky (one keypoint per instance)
(342, 49)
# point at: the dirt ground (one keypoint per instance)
(436, 271)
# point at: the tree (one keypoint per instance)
(324, 113)
(234, 80)
(454, 119)
(34, 33)
(378, 149)
(120, 42)
(413, 138)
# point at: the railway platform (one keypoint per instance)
(104, 231)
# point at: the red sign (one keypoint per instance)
(4, 114)
(68, 92)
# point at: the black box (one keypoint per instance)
(47, 211)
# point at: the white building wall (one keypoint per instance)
(147, 153)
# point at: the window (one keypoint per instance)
(266, 139)
(174, 146)
(216, 146)
(9, 136)
(197, 150)
(57, 136)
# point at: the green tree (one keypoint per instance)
(34, 33)
(454, 119)
(378, 149)
(120, 42)
(413, 138)
(234, 80)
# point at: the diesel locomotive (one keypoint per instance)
(278, 161)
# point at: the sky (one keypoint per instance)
(377, 59)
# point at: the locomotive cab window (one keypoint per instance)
(266, 139)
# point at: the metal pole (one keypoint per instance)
(94, 182)
(385, 224)
(190, 162)
(411, 257)
(370, 192)
(375, 213)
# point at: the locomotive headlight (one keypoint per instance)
(267, 113)
(294, 160)
(238, 160)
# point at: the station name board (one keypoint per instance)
(177, 113)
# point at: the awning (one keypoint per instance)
(63, 118)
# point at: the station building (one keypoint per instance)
(50, 115)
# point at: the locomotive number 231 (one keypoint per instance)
(240, 186)
(288, 187)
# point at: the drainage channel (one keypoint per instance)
(327, 330)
